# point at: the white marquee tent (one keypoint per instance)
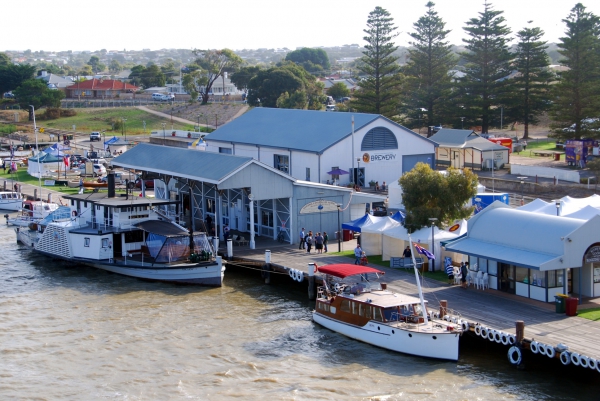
(371, 237)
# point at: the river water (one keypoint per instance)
(77, 333)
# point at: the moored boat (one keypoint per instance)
(10, 201)
(130, 236)
(350, 302)
(31, 211)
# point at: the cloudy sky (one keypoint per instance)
(243, 24)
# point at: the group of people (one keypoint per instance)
(318, 240)
(464, 273)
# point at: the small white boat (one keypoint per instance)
(31, 211)
(350, 303)
(11, 201)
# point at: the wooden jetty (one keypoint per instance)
(504, 318)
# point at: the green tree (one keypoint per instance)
(485, 85)
(427, 194)
(35, 92)
(153, 76)
(379, 90)
(338, 90)
(96, 65)
(242, 77)
(86, 70)
(115, 67)
(137, 72)
(312, 60)
(4, 59)
(532, 83)
(215, 63)
(12, 76)
(577, 92)
(298, 100)
(428, 79)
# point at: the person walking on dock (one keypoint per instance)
(463, 275)
(325, 240)
(302, 237)
(319, 243)
(309, 241)
(357, 254)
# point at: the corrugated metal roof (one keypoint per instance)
(462, 138)
(187, 163)
(308, 130)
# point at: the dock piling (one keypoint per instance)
(267, 267)
(229, 249)
(520, 331)
(311, 281)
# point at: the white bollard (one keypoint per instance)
(216, 244)
(311, 269)
(229, 248)
(268, 256)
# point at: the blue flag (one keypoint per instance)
(424, 251)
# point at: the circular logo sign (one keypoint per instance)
(366, 158)
(454, 228)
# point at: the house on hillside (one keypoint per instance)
(54, 81)
(308, 144)
(99, 89)
(465, 148)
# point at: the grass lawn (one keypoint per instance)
(545, 144)
(88, 120)
(376, 260)
(590, 314)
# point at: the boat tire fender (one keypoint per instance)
(484, 332)
(464, 325)
(593, 364)
(534, 347)
(291, 273)
(504, 338)
(584, 361)
(575, 359)
(498, 336)
(514, 355)
(477, 330)
(565, 358)
(550, 351)
(491, 334)
(542, 348)
(512, 339)
(299, 276)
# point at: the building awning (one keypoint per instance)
(502, 253)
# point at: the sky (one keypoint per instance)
(242, 24)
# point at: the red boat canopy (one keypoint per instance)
(344, 270)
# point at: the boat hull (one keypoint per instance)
(424, 342)
(11, 204)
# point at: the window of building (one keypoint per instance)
(86, 242)
(379, 138)
(227, 151)
(282, 163)
(104, 242)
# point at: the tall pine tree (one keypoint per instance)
(532, 83)
(577, 93)
(428, 83)
(380, 88)
(485, 85)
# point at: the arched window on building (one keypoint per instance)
(379, 138)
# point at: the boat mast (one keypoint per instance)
(412, 255)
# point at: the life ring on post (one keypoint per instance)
(514, 355)
(74, 213)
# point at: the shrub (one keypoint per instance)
(53, 113)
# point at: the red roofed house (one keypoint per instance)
(99, 89)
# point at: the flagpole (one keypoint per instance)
(412, 255)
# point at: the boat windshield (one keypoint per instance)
(171, 249)
(63, 212)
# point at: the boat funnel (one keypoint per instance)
(110, 178)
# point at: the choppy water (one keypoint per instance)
(76, 333)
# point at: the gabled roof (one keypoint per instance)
(462, 138)
(210, 166)
(307, 130)
(102, 84)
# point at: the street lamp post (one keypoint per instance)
(462, 123)
(432, 264)
(339, 229)
(522, 179)
(164, 137)
(557, 207)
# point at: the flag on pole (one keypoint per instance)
(66, 161)
(424, 251)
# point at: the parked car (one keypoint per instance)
(161, 98)
(9, 95)
(120, 177)
(148, 183)
(95, 136)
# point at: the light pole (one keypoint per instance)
(522, 179)
(352, 158)
(557, 207)
(432, 220)
(339, 229)
(358, 172)
(164, 137)
(199, 130)
(36, 149)
(462, 123)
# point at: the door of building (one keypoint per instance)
(506, 278)
(359, 176)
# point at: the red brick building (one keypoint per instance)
(99, 89)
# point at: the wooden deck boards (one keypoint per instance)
(491, 308)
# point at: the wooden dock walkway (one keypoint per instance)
(490, 308)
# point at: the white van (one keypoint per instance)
(159, 97)
(330, 107)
